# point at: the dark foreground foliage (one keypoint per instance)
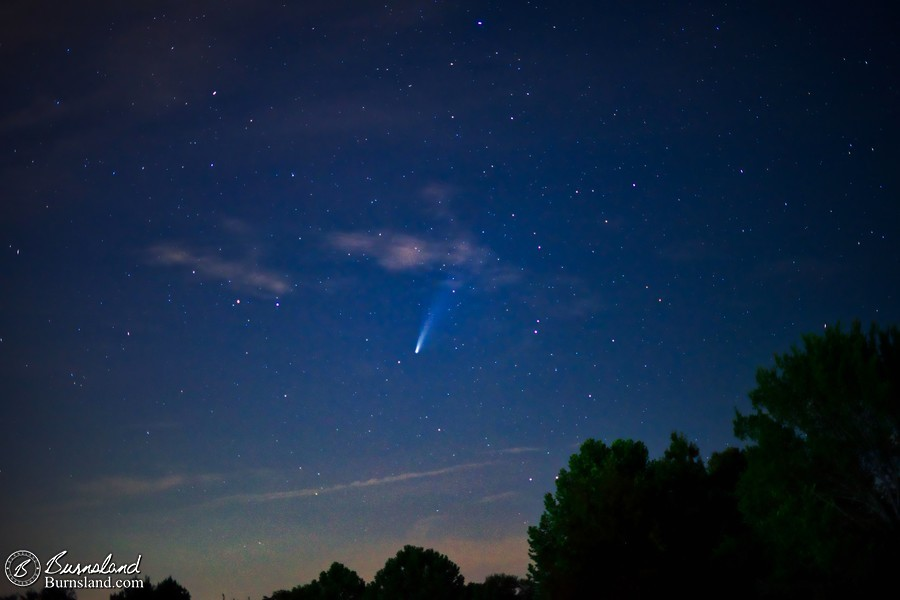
(810, 509)
(44, 594)
(640, 526)
(414, 573)
(167, 589)
(822, 486)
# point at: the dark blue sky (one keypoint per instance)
(224, 227)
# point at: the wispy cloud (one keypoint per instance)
(519, 450)
(241, 274)
(446, 247)
(367, 483)
(437, 198)
(497, 497)
(401, 252)
(114, 487)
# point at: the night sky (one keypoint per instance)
(226, 228)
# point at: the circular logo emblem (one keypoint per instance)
(23, 568)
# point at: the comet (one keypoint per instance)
(426, 327)
(438, 306)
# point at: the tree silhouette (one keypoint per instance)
(594, 525)
(678, 505)
(822, 486)
(500, 586)
(46, 593)
(417, 574)
(737, 555)
(167, 589)
(144, 592)
(337, 583)
(341, 583)
(623, 526)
